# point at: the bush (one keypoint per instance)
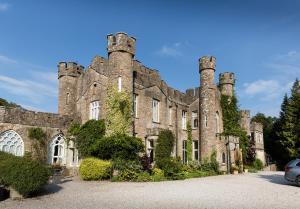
(164, 147)
(144, 177)
(24, 175)
(258, 164)
(158, 174)
(126, 170)
(118, 147)
(171, 167)
(95, 169)
(146, 162)
(87, 135)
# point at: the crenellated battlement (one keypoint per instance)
(69, 69)
(226, 78)
(121, 42)
(245, 113)
(207, 62)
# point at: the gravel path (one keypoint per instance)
(261, 190)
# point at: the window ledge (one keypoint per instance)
(155, 122)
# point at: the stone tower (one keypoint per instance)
(226, 81)
(207, 105)
(245, 121)
(121, 50)
(68, 73)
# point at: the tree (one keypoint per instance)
(5, 103)
(164, 146)
(189, 143)
(286, 128)
(87, 135)
(118, 112)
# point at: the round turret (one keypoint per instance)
(121, 42)
(227, 81)
(207, 65)
(207, 62)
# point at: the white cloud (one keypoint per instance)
(34, 91)
(172, 51)
(7, 60)
(4, 7)
(266, 90)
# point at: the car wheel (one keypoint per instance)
(298, 181)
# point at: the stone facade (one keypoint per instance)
(82, 94)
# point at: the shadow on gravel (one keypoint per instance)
(53, 187)
(276, 179)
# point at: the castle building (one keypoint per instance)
(157, 106)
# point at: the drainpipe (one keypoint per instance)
(133, 93)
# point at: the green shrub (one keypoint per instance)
(171, 167)
(258, 164)
(95, 169)
(24, 175)
(118, 147)
(144, 177)
(87, 135)
(126, 170)
(158, 174)
(164, 147)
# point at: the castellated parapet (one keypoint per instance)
(207, 62)
(120, 42)
(69, 69)
(227, 81)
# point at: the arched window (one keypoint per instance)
(223, 158)
(57, 150)
(11, 142)
(217, 123)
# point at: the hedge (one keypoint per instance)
(94, 169)
(24, 175)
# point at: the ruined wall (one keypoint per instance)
(257, 136)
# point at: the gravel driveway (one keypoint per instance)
(261, 190)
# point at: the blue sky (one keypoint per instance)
(257, 40)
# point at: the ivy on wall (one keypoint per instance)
(118, 111)
(189, 142)
(39, 143)
(231, 119)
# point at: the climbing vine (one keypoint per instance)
(39, 143)
(118, 111)
(189, 142)
(231, 119)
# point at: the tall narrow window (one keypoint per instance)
(223, 158)
(170, 116)
(184, 120)
(195, 119)
(120, 84)
(205, 121)
(150, 150)
(155, 110)
(184, 151)
(135, 105)
(94, 110)
(196, 150)
(217, 123)
(67, 98)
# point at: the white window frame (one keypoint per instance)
(184, 119)
(195, 117)
(94, 110)
(195, 149)
(135, 104)
(155, 110)
(119, 84)
(59, 143)
(11, 142)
